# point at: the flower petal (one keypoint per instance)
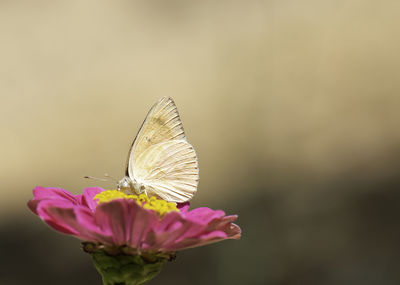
(203, 215)
(88, 195)
(90, 229)
(143, 221)
(128, 222)
(183, 207)
(40, 193)
(123, 222)
(195, 228)
(167, 231)
(55, 213)
(201, 240)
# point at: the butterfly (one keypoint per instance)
(161, 162)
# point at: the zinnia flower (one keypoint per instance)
(130, 237)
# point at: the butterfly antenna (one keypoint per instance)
(96, 178)
(111, 177)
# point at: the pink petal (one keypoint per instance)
(203, 215)
(123, 222)
(201, 240)
(183, 207)
(142, 222)
(169, 229)
(90, 229)
(128, 222)
(40, 193)
(195, 228)
(226, 224)
(55, 213)
(88, 195)
(55, 194)
(111, 217)
(32, 205)
(77, 221)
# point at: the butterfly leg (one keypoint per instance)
(142, 189)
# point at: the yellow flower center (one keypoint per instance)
(161, 207)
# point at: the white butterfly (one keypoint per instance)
(161, 162)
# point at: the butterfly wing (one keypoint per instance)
(162, 123)
(168, 170)
(161, 158)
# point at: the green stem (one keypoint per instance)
(124, 269)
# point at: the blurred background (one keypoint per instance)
(292, 106)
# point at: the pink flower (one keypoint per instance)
(126, 222)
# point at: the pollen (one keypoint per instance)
(161, 207)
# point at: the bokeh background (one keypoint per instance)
(292, 106)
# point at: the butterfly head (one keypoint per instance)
(130, 186)
(124, 184)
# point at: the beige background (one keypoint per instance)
(291, 99)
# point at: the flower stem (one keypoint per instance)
(124, 269)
